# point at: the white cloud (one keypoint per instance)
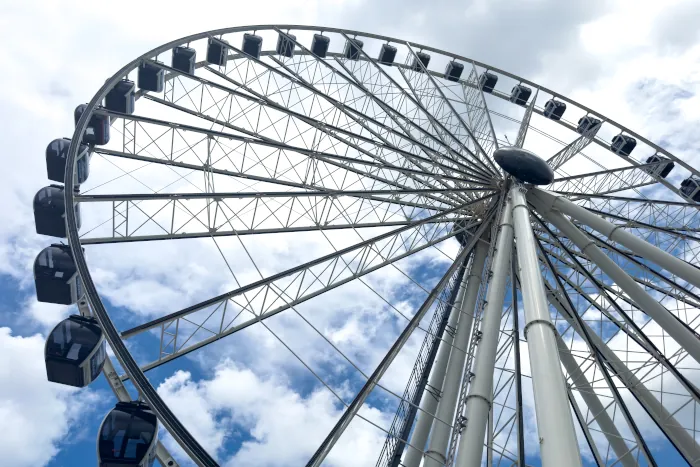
(36, 417)
(283, 426)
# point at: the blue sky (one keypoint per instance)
(634, 61)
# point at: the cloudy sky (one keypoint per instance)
(252, 402)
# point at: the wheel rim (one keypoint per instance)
(468, 184)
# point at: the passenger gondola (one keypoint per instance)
(75, 351)
(128, 436)
(217, 52)
(520, 94)
(122, 97)
(554, 109)
(50, 212)
(588, 125)
(352, 49)
(184, 59)
(56, 276)
(690, 189)
(252, 45)
(662, 169)
(387, 54)
(623, 145)
(151, 77)
(487, 81)
(453, 71)
(420, 62)
(97, 129)
(286, 44)
(56, 154)
(319, 45)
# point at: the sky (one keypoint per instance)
(250, 402)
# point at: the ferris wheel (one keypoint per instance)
(564, 235)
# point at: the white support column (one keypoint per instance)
(429, 401)
(683, 440)
(440, 434)
(555, 426)
(480, 397)
(606, 424)
(643, 300)
(617, 234)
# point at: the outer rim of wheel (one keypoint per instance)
(132, 370)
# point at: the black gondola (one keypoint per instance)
(623, 144)
(663, 168)
(56, 277)
(387, 54)
(319, 45)
(554, 109)
(50, 212)
(453, 71)
(151, 77)
(690, 188)
(75, 351)
(252, 45)
(122, 97)
(487, 81)
(217, 53)
(286, 44)
(56, 153)
(588, 124)
(97, 129)
(421, 58)
(520, 94)
(352, 49)
(128, 436)
(184, 59)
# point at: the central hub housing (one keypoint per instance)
(524, 165)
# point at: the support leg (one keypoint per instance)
(666, 422)
(644, 301)
(555, 426)
(644, 249)
(440, 434)
(479, 399)
(429, 402)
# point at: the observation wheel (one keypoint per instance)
(546, 256)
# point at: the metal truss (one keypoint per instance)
(189, 215)
(573, 148)
(607, 181)
(525, 124)
(182, 333)
(478, 114)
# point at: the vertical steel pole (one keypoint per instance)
(430, 399)
(555, 426)
(516, 357)
(479, 399)
(440, 434)
(674, 327)
(489, 440)
(589, 396)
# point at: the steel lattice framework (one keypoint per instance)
(577, 304)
